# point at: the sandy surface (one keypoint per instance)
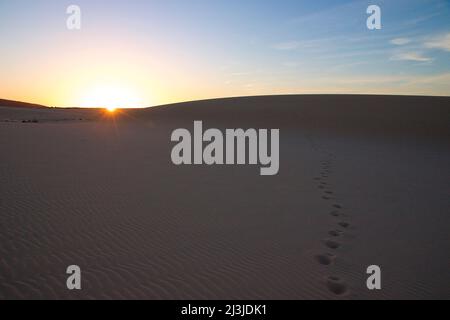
(363, 180)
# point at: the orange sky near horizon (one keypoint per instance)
(149, 53)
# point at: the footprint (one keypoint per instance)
(335, 213)
(344, 224)
(325, 259)
(329, 192)
(331, 244)
(336, 285)
(326, 198)
(337, 206)
(335, 233)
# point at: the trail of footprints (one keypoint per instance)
(332, 243)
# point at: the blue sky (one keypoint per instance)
(176, 50)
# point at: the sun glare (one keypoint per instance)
(111, 97)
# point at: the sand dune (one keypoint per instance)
(20, 104)
(363, 180)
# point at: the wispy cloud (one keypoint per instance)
(400, 41)
(411, 56)
(424, 18)
(440, 42)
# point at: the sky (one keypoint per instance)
(140, 53)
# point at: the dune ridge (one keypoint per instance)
(20, 104)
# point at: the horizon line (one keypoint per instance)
(36, 104)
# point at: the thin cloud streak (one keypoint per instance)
(441, 42)
(411, 56)
(400, 41)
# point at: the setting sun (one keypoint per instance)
(111, 97)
